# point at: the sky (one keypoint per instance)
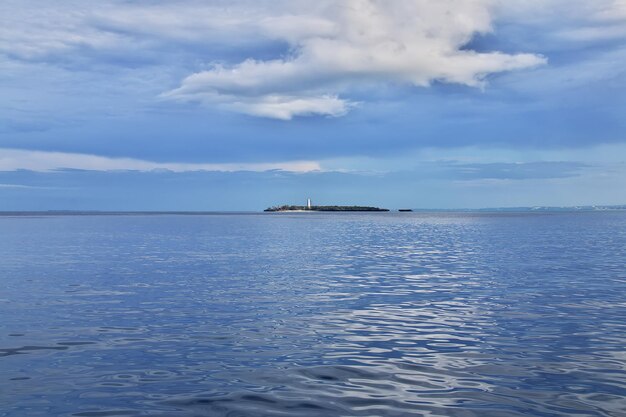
(245, 104)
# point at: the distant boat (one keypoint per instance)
(404, 210)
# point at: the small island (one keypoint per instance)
(323, 208)
(310, 207)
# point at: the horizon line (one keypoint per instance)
(69, 212)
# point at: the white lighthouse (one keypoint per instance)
(308, 204)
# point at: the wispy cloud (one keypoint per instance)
(435, 185)
(23, 187)
(514, 171)
(604, 21)
(15, 159)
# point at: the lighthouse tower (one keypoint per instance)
(308, 204)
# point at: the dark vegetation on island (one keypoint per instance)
(324, 208)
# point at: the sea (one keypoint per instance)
(458, 314)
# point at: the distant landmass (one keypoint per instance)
(323, 208)
(495, 209)
(536, 209)
(597, 208)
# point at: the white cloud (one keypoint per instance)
(286, 107)
(614, 10)
(573, 20)
(16, 159)
(338, 45)
(605, 19)
(21, 186)
(332, 46)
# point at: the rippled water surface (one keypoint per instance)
(379, 314)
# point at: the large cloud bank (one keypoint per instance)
(338, 45)
(323, 51)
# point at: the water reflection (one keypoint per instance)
(314, 315)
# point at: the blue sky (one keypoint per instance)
(237, 105)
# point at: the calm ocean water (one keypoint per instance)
(380, 314)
